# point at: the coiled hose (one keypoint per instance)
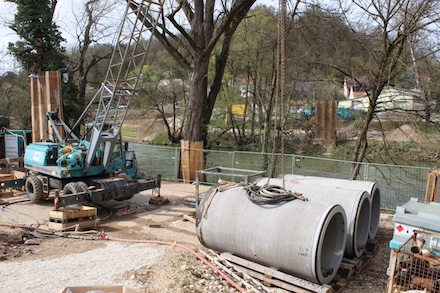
(271, 195)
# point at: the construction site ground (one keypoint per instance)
(48, 263)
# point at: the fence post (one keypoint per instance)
(366, 168)
(293, 163)
(176, 163)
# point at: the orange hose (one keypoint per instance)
(51, 231)
(215, 269)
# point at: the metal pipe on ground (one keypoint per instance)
(305, 239)
(356, 204)
(371, 187)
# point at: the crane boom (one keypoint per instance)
(120, 85)
(74, 164)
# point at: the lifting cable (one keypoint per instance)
(271, 194)
(282, 70)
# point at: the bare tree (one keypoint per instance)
(93, 33)
(190, 31)
(251, 63)
(383, 28)
(169, 101)
(14, 98)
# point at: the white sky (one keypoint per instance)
(64, 17)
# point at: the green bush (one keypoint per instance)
(161, 139)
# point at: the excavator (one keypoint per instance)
(97, 166)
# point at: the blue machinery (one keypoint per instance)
(97, 166)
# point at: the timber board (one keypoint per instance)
(349, 268)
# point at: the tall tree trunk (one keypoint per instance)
(198, 82)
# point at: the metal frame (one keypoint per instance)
(405, 251)
(218, 171)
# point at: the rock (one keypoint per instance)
(31, 242)
(27, 250)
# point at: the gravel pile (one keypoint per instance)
(101, 266)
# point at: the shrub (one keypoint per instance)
(161, 139)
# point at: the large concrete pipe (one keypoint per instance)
(371, 187)
(356, 204)
(298, 237)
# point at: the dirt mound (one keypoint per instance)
(405, 133)
(10, 244)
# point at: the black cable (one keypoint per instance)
(270, 195)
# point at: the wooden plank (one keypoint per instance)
(295, 281)
(35, 110)
(189, 218)
(199, 159)
(270, 281)
(66, 214)
(6, 193)
(42, 109)
(6, 177)
(8, 161)
(192, 160)
(348, 268)
(53, 96)
(77, 225)
(19, 173)
(77, 219)
(185, 160)
(345, 272)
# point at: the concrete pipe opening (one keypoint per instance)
(332, 240)
(356, 204)
(362, 222)
(304, 239)
(375, 209)
(371, 187)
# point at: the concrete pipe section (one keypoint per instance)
(371, 187)
(302, 238)
(356, 204)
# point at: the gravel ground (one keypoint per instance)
(57, 262)
(100, 266)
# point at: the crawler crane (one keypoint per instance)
(97, 166)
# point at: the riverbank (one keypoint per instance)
(389, 143)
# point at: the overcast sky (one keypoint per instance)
(64, 19)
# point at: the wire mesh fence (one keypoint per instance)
(397, 183)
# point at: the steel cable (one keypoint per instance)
(271, 195)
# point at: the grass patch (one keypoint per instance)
(428, 128)
(129, 131)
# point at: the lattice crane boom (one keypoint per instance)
(121, 82)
